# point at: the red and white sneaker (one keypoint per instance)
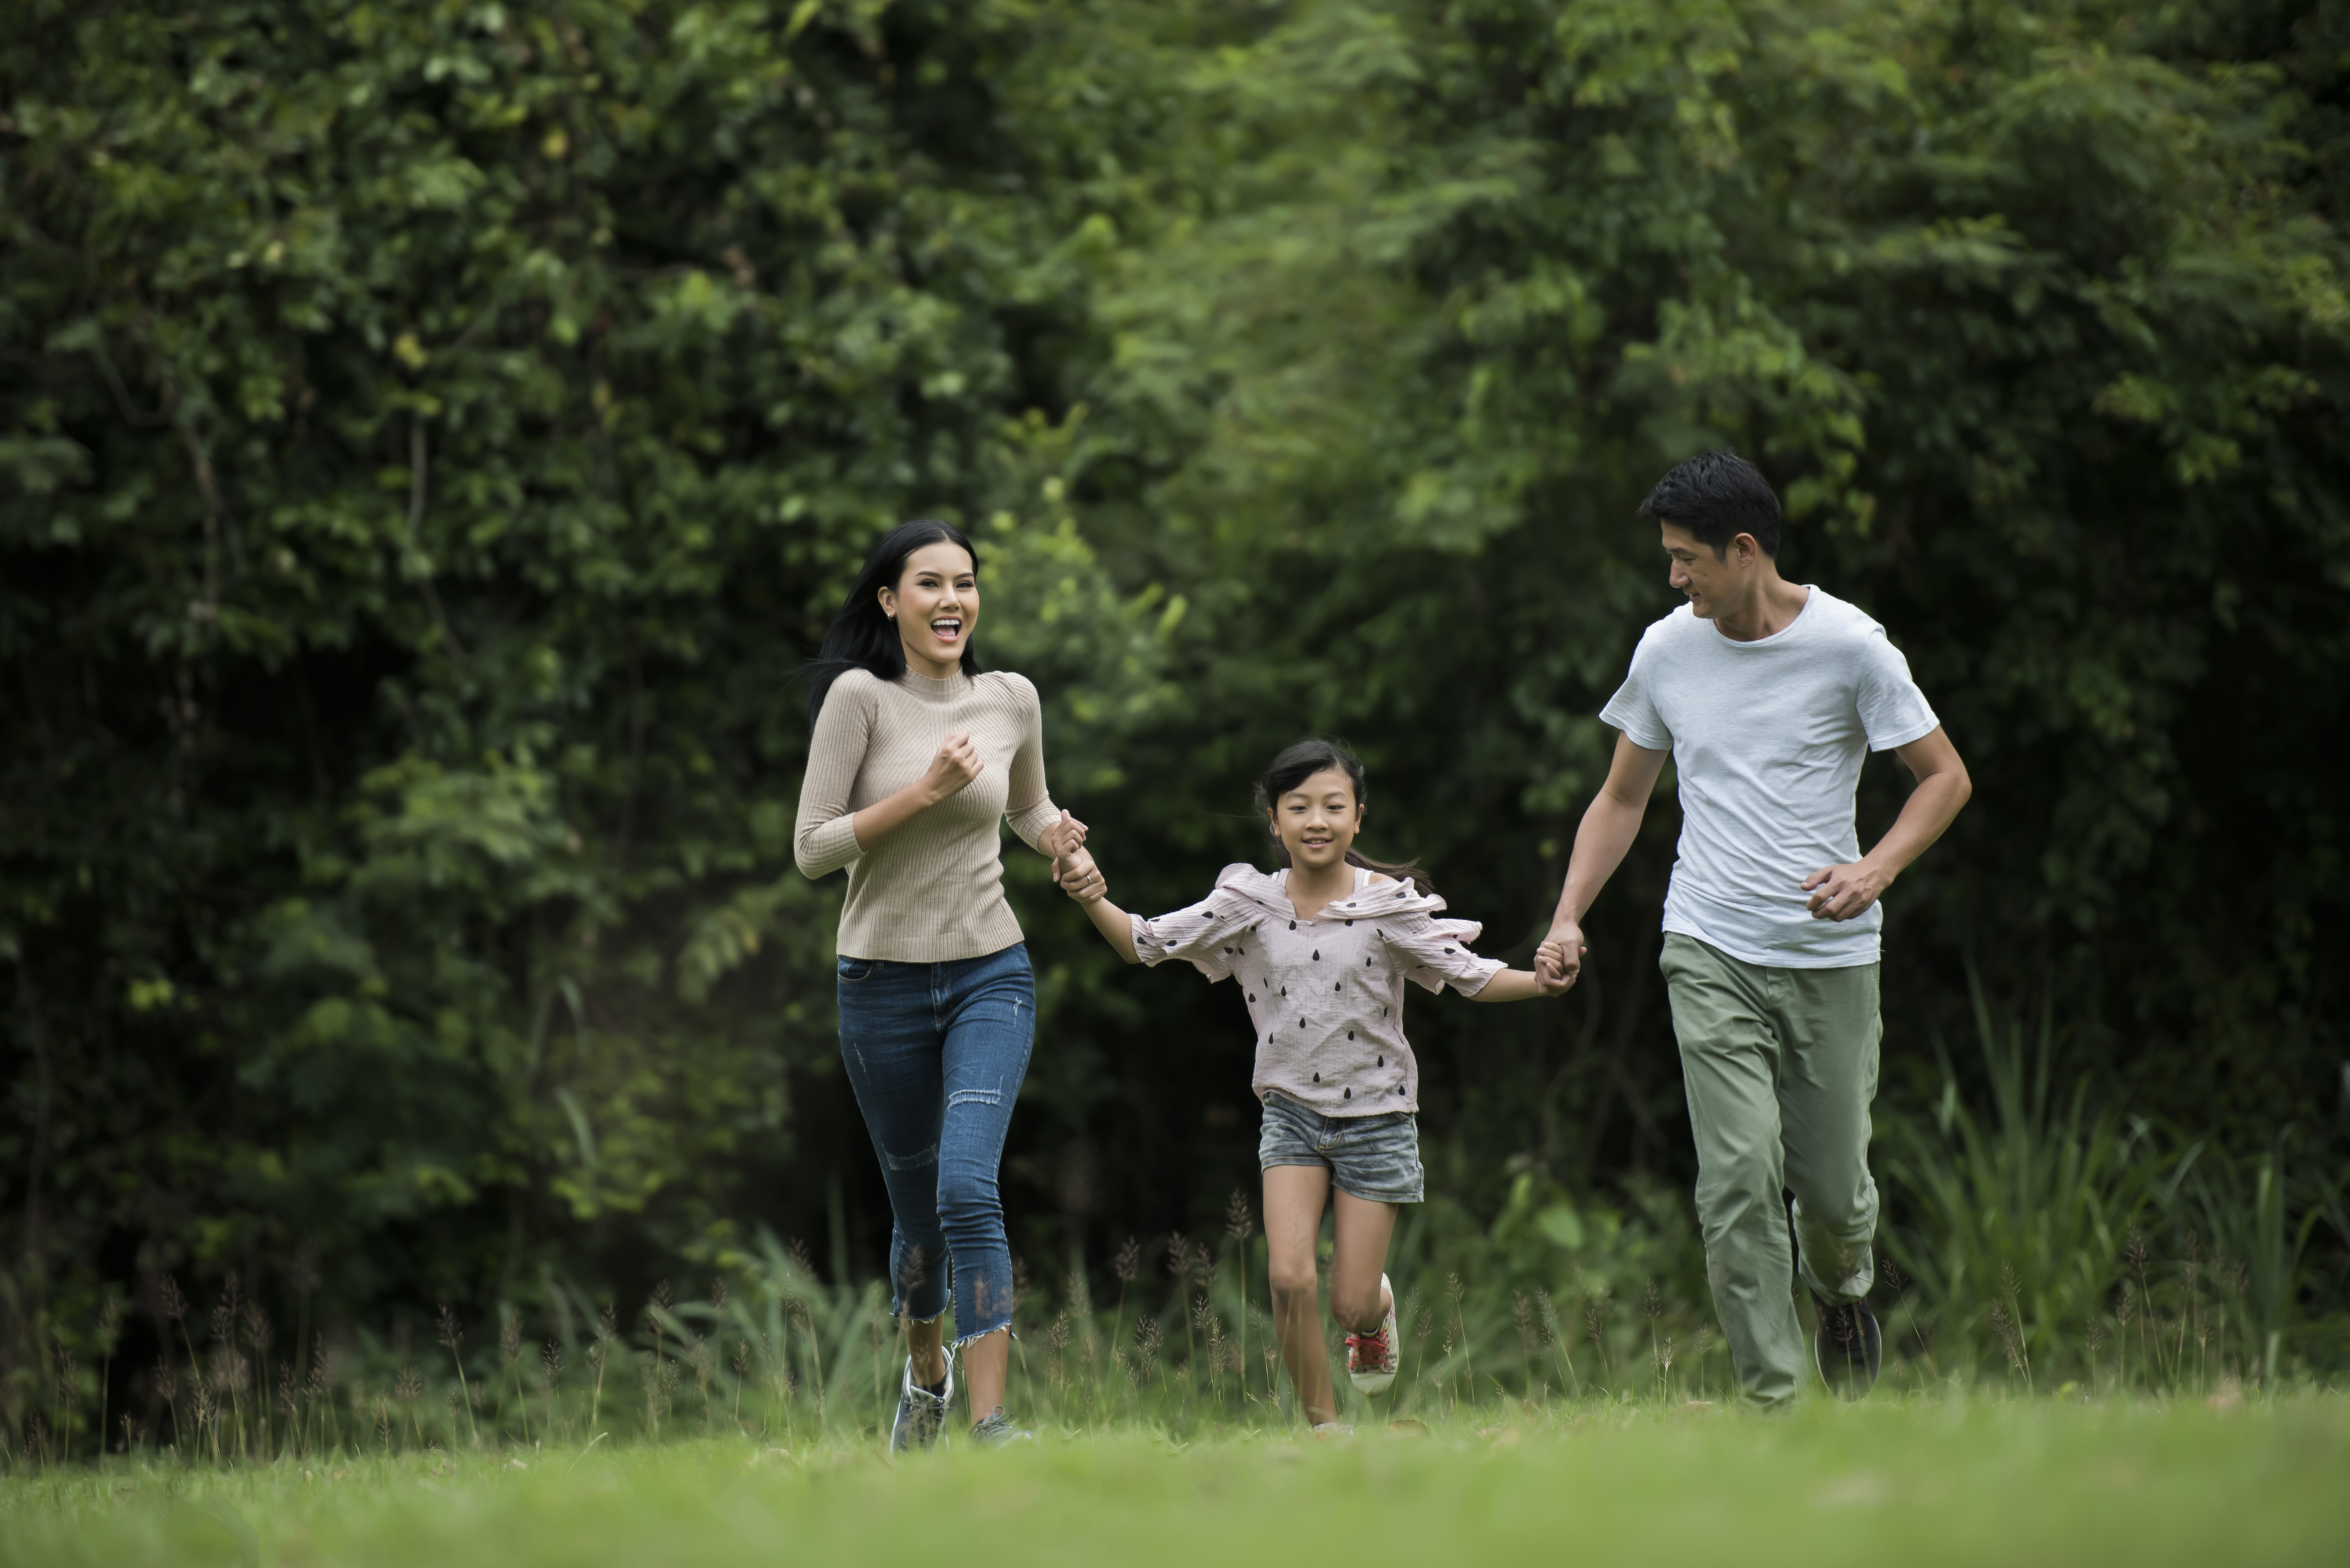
(1371, 1357)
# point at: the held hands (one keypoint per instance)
(952, 771)
(1842, 892)
(1080, 878)
(1061, 839)
(1558, 963)
(1073, 863)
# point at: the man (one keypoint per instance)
(1767, 694)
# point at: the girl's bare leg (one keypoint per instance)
(925, 1344)
(1365, 1228)
(985, 1361)
(1294, 1197)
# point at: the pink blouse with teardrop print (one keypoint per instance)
(1326, 992)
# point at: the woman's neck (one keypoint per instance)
(936, 670)
(1309, 890)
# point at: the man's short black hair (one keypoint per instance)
(1716, 496)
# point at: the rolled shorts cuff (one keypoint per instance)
(963, 1339)
(1374, 1158)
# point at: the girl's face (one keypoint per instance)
(936, 607)
(1316, 822)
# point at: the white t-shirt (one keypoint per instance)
(1767, 739)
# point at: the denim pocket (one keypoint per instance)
(856, 972)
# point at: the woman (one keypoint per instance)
(914, 759)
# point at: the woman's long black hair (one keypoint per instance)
(860, 635)
(1300, 761)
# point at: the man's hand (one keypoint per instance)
(1080, 878)
(1558, 963)
(1842, 892)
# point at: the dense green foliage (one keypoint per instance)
(432, 435)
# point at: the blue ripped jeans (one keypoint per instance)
(936, 1052)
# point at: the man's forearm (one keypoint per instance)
(1931, 809)
(1601, 841)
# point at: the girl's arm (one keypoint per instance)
(1191, 934)
(1089, 888)
(1511, 985)
(1114, 925)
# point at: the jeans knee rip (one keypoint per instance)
(974, 1097)
(912, 1161)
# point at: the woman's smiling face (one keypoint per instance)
(1316, 822)
(936, 607)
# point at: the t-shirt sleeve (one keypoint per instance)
(1434, 953)
(1893, 710)
(1209, 934)
(1633, 710)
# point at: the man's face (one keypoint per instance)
(1713, 585)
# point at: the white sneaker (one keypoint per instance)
(1371, 1357)
(921, 1415)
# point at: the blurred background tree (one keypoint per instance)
(431, 437)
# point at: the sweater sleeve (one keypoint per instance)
(1209, 934)
(1031, 809)
(1432, 951)
(825, 837)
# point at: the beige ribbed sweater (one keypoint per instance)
(933, 891)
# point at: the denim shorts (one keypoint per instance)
(1376, 1158)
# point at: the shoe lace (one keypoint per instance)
(1370, 1346)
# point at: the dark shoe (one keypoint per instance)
(921, 1420)
(1849, 1348)
(996, 1432)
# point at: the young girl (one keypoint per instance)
(1321, 949)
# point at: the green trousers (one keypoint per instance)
(1781, 1066)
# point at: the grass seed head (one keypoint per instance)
(225, 1311)
(255, 1325)
(1129, 1262)
(321, 1375)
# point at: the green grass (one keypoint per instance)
(1890, 1483)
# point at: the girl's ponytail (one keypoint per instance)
(1301, 761)
(1405, 871)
